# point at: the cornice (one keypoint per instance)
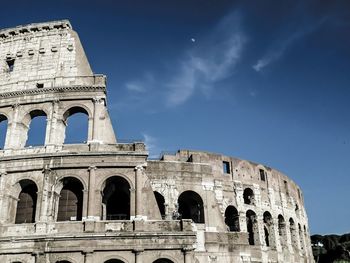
(37, 91)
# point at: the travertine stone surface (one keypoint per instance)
(103, 201)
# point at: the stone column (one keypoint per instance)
(3, 203)
(138, 185)
(137, 252)
(98, 102)
(242, 222)
(188, 254)
(44, 195)
(12, 140)
(132, 202)
(88, 257)
(39, 257)
(91, 209)
(52, 127)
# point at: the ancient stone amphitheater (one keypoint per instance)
(103, 200)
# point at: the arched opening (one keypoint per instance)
(282, 231)
(114, 261)
(70, 205)
(268, 230)
(36, 128)
(267, 238)
(191, 207)
(77, 124)
(26, 205)
(116, 199)
(232, 218)
(252, 227)
(161, 203)
(248, 196)
(293, 233)
(63, 261)
(163, 260)
(3, 130)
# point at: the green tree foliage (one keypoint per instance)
(331, 248)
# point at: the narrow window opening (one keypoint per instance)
(39, 85)
(226, 167)
(10, 64)
(286, 187)
(262, 175)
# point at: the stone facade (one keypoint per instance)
(104, 201)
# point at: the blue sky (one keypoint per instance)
(266, 81)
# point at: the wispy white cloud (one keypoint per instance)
(211, 59)
(140, 86)
(215, 61)
(278, 49)
(152, 146)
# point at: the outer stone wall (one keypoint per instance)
(104, 201)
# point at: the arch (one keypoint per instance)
(36, 122)
(70, 205)
(3, 130)
(161, 203)
(282, 231)
(27, 201)
(232, 218)
(116, 199)
(268, 230)
(293, 233)
(191, 206)
(248, 196)
(252, 227)
(163, 260)
(114, 261)
(76, 119)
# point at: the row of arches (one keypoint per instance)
(115, 201)
(70, 192)
(297, 233)
(34, 126)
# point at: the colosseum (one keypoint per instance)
(105, 201)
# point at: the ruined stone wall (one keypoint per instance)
(274, 194)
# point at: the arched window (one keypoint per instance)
(114, 261)
(26, 206)
(268, 230)
(252, 227)
(116, 199)
(3, 130)
(293, 233)
(36, 128)
(248, 196)
(70, 206)
(77, 123)
(161, 203)
(282, 231)
(163, 260)
(232, 218)
(191, 207)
